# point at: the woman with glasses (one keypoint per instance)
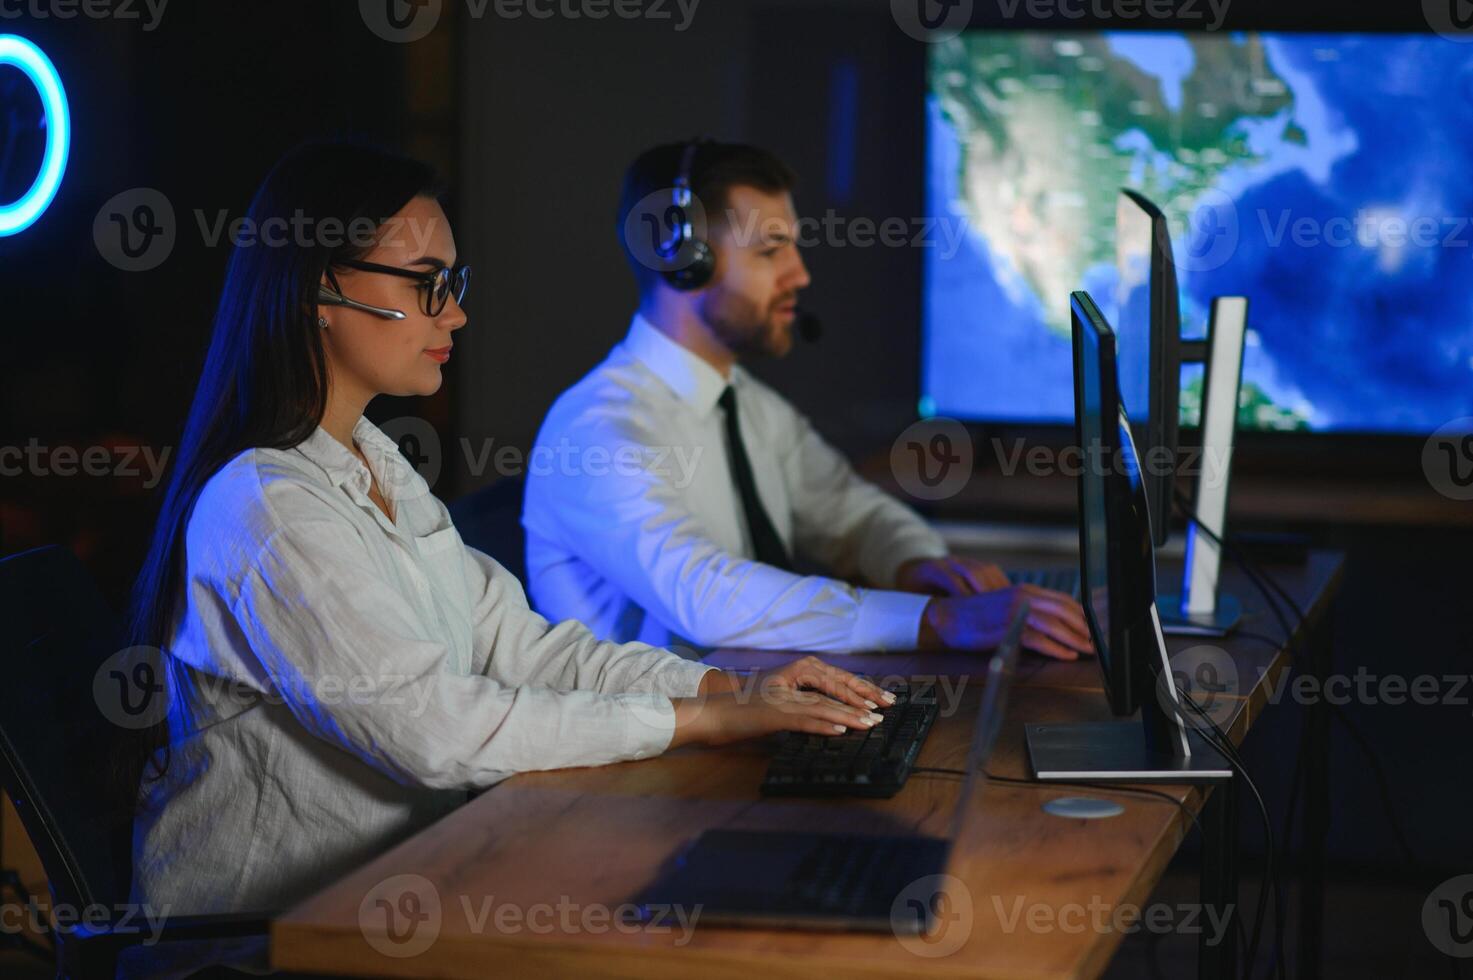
(341, 669)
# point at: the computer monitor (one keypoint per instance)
(1149, 340)
(1151, 353)
(1118, 583)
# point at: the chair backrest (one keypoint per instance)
(490, 520)
(58, 647)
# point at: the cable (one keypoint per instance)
(1139, 792)
(1273, 592)
(1290, 643)
(1095, 787)
(1219, 740)
(1265, 584)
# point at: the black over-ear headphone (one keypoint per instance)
(689, 261)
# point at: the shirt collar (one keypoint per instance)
(344, 467)
(695, 382)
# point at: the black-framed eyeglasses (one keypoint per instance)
(437, 285)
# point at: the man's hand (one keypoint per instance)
(951, 576)
(1056, 625)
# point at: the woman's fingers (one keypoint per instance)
(873, 695)
(836, 682)
(830, 711)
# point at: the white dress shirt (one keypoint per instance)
(634, 525)
(339, 680)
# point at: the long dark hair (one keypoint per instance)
(264, 381)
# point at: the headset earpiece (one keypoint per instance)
(690, 262)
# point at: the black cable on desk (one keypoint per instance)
(1098, 789)
(1093, 787)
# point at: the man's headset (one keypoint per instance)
(689, 262)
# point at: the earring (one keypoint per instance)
(322, 322)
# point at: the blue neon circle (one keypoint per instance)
(17, 51)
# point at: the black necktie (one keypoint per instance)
(768, 545)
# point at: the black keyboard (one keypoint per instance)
(858, 763)
(1065, 580)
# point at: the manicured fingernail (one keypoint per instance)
(889, 697)
(840, 729)
(875, 719)
(870, 704)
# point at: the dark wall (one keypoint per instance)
(197, 108)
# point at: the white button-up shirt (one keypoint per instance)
(634, 525)
(339, 680)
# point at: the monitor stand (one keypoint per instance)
(1219, 620)
(1160, 748)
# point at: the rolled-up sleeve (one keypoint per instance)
(521, 647)
(343, 651)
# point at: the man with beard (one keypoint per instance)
(670, 492)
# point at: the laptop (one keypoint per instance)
(789, 879)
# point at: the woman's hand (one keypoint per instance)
(732, 707)
(723, 718)
(836, 682)
(809, 672)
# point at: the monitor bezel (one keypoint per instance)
(1130, 555)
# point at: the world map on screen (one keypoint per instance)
(1328, 178)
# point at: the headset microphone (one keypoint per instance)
(808, 326)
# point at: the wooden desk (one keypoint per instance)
(526, 878)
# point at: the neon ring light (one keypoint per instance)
(17, 51)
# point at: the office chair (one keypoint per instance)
(56, 631)
(490, 520)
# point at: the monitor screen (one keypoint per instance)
(1132, 303)
(1322, 176)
